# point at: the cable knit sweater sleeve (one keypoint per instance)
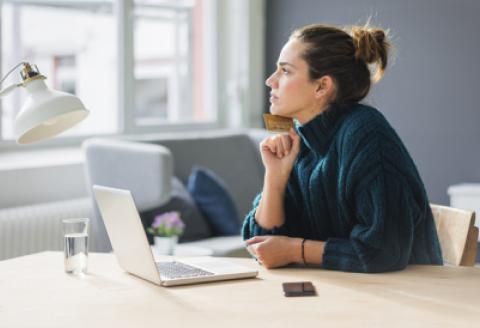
(383, 188)
(382, 238)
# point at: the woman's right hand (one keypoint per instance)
(279, 153)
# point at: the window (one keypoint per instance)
(164, 52)
(79, 47)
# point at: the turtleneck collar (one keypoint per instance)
(317, 132)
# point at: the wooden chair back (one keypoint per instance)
(457, 234)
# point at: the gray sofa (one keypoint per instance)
(146, 165)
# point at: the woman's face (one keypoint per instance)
(292, 93)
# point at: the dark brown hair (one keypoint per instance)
(344, 54)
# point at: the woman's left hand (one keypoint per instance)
(275, 251)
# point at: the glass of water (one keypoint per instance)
(76, 245)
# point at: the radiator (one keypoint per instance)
(36, 228)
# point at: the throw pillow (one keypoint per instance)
(213, 198)
(196, 226)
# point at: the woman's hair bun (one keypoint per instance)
(372, 47)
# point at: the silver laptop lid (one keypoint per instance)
(126, 233)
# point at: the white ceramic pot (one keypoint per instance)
(165, 245)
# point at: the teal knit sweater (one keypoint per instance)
(355, 186)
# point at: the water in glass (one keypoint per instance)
(76, 252)
(76, 245)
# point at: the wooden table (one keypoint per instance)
(35, 292)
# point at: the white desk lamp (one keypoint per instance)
(46, 112)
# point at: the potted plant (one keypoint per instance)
(165, 229)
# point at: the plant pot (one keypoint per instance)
(165, 245)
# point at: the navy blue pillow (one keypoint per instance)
(214, 201)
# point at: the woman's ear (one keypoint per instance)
(325, 87)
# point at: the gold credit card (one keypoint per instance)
(277, 123)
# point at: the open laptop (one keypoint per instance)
(134, 255)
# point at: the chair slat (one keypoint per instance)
(455, 229)
(470, 254)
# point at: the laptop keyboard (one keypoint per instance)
(175, 270)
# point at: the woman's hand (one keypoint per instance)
(279, 153)
(275, 251)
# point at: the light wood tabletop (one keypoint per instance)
(35, 292)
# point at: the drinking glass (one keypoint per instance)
(76, 245)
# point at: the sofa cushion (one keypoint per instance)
(215, 202)
(144, 169)
(196, 227)
(232, 155)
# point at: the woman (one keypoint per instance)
(340, 190)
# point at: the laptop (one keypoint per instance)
(134, 254)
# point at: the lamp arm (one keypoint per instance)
(9, 89)
(10, 72)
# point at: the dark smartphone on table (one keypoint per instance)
(303, 288)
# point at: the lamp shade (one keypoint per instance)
(46, 113)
